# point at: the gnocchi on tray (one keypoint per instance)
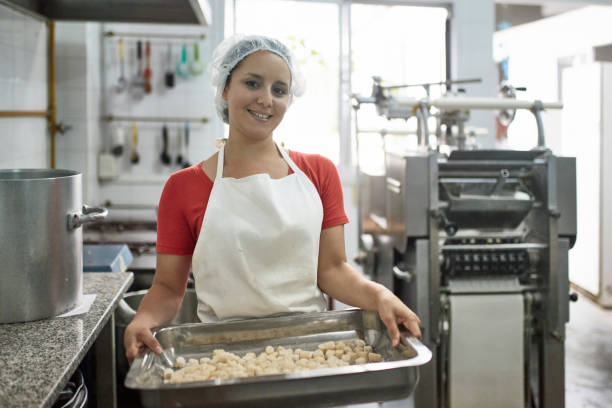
(270, 361)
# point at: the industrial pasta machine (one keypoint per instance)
(476, 243)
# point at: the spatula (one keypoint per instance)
(164, 156)
(179, 157)
(134, 157)
(169, 70)
(138, 82)
(147, 72)
(186, 158)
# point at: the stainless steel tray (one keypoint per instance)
(394, 378)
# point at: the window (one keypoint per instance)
(401, 44)
(311, 31)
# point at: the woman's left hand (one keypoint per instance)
(341, 281)
(394, 312)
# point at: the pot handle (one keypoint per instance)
(89, 214)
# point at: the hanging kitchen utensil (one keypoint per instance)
(164, 156)
(121, 82)
(118, 141)
(179, 157)
(147, 72)
(138, 83)
(182, 69)
(186, 159)
(134, 157)
(169, 70)
(195, 66)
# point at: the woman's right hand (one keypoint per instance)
(138, 337)
(159, 305)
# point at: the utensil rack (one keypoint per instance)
(156, 35)
(113, 118)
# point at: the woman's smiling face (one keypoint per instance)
(258, 94)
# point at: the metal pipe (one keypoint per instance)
(123, 206)
(412, 132)
(536, 110)
(51, 83)
(447, 52)
(389, 132)
(157, 35)
(491, 103)
(111, 118)
(358, 182)
(426, 85)
(19, 114)
(464, 102)
(423, 129)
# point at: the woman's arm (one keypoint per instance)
(341, 281)
(159, 305)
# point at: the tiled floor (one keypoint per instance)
(588, 356)
(588, 359)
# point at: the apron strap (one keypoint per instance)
(282, 151)
(219, 174)
(290, 162)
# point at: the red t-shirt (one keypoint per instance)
(183, 202)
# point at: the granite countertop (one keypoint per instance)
(37, 358)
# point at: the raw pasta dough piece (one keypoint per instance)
(270, 361)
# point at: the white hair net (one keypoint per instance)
(234, 49)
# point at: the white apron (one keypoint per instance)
(258, 248)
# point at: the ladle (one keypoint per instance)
(118, 140)
(179, 157)
(186, 160)
(122, 81)
(165, 157)
(195, 66)
(134, 157)
(182, 69)
(169, 71)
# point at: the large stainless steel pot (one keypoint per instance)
(41, 248)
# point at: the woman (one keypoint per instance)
(261, 228)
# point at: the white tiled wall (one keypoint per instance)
(23, 86)
(76, 88)
(142, 183)
(87, 71)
